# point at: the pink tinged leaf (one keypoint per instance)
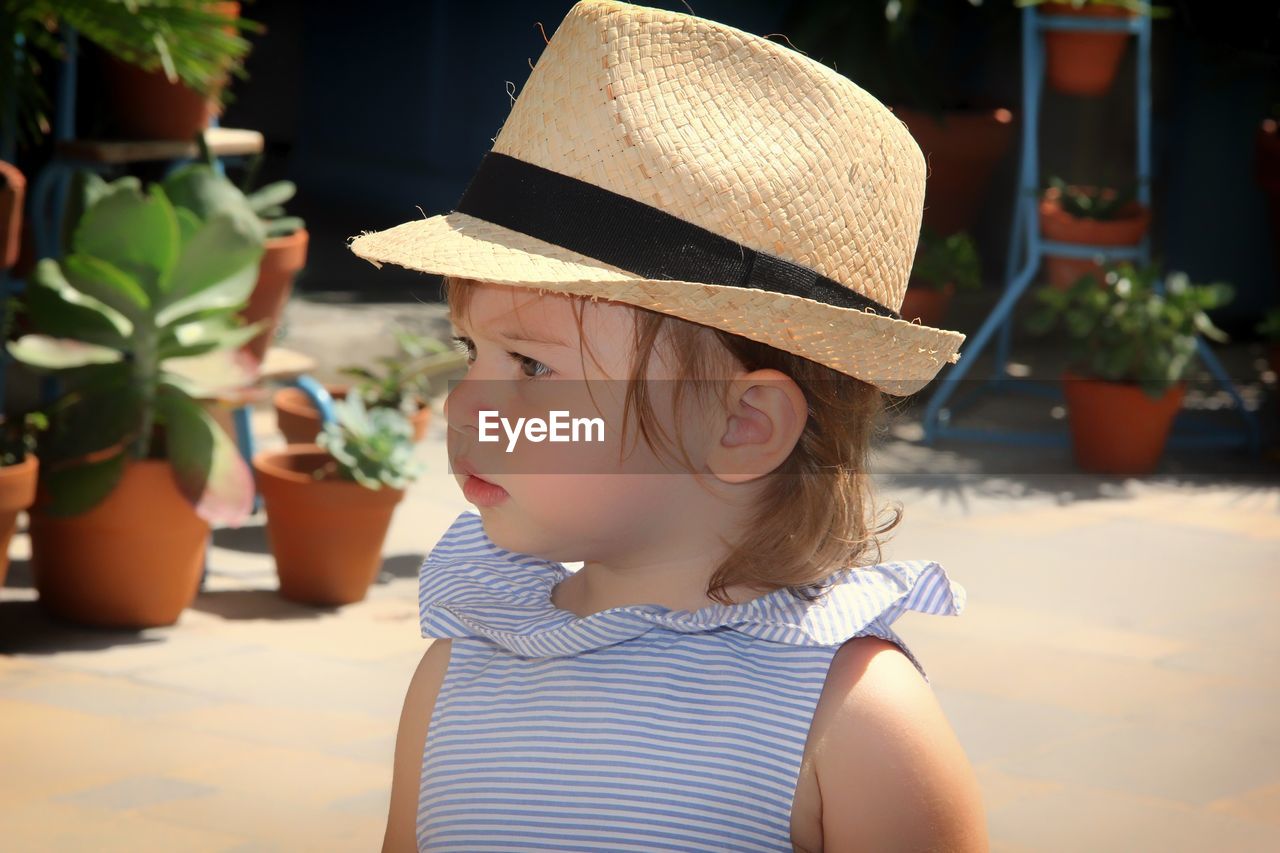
(207, 466)
(213, 373)
(51, 353)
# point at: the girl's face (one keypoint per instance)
(566, 500)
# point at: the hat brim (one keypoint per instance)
(897, 356)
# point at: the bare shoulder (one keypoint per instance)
(891, 773)
(411, 739)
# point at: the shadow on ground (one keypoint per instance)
(249, 538)
(26, 628)
(244, 604)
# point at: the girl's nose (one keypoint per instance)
(474, 393)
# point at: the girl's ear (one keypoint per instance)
(765, 414)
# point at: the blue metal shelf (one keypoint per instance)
(1027, 248)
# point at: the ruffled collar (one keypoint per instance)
(469, 587)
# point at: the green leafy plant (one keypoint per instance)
(407, 379)
(1126, 330)
(139, 322)
(953, 259)
(267, 201)
(1269, 328)
(18, 435)
(372, 447)
(1137, 7)
(185, 38)
(1092, 202)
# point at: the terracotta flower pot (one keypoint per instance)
(326, 536)
(1115, 427)
(1056, 224)
(13, 190)
(283, 260)
(17, 493)
(962, 151)
(1267, 173)
(145, 105)
(300, 421)
(927, 304)
(1083, 63)
(132, 561)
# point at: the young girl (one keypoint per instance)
(699, 239)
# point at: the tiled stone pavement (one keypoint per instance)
(1115, 677)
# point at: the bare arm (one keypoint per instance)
(411, 739)
(891, 772)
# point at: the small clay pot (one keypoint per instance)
(17, 493)
(326, 535)
(145, 105)
(1115, 427)
(1083, 63)
(132, 561)
(283, 259)
(13, 191)
(927, 304)
(1127, 229)
(963, 148)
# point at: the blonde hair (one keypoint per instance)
(812, 517)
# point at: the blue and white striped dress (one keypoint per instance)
(638, 727)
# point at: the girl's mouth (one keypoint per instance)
(482, 492)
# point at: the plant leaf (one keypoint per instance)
(211, 374)
(49, 353)
(59, 310)
(272, 194)
(87, 189)
(113, 287)
(206, 464)
(137, 234)
(218, 267)
(199, 188)
(206, 335)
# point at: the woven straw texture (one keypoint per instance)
(734, 133)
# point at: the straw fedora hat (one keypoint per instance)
(684, 166)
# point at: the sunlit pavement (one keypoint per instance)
(1114, 677)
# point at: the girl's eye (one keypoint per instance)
(531, 367)
(465, 345)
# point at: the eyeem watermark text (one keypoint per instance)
(558, 427)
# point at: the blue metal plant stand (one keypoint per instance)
(1027, 248)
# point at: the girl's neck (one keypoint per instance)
(595, 588)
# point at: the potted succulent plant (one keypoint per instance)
(286, 246)
(139, 323)
(405, 381)
(1131, 349)
(1269, 328)
(19, 468)
(942, 265)
(1090, 216)
(1085, 63)
(329, 505)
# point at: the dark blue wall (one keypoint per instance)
(382, 108)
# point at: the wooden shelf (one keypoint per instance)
(222, 141)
